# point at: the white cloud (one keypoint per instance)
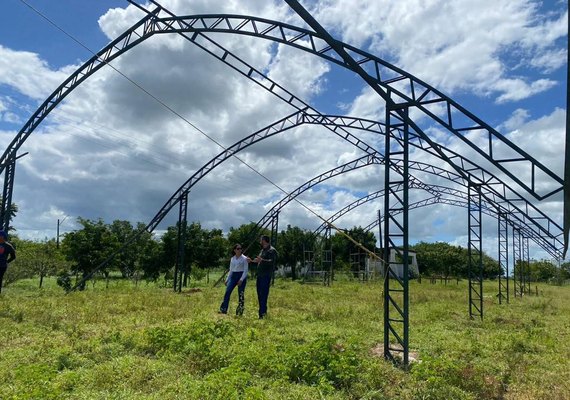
(27, 73)
(459, 45)
(516, 89)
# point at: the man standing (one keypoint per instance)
(7, 255)
(265, 266)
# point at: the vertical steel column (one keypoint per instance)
(180, 267)
(308, 260)
(6, 206)
(396, 300)
(517, 259)
(274, 229)
(503, 258)
(326, 257)
(475, 252)
(380, 230)
(526, 255)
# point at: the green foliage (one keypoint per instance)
(342, 247)
(323, 362)
(12, 210)
(292, 243)
(447, 260)
(64, 281)
(203, 248)
(147, 342)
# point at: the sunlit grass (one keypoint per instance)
(147, 342)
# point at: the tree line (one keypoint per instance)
(83, 251)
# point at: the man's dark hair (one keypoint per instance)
(265, 238)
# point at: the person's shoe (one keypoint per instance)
(262, 316)
(222, 312)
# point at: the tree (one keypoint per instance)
(34, 259)
(202, 248)
(12, 210)
(89, 247)
(133, 257)
(441, 258)
(565, 271)
(292, 243)
(248, 236)
(540, 271)
(343, 247)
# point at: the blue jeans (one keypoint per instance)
(263, 283)
(232, 283)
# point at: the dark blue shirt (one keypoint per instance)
(7, 254)
(266, 267)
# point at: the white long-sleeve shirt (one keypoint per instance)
(238, 264)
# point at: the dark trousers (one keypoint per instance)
(2, 271)
(232, 283)
(263, 283)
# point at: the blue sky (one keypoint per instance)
(109, 151)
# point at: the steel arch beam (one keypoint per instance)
(350, 166)
(486, 208)
(441, 190)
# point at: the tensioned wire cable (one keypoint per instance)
(177, 114)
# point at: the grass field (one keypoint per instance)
(147, 342)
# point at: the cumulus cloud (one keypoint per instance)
(460, 45)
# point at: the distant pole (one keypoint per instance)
(57, 234)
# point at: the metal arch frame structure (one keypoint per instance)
(417, 95)
(149, 24)
(290, 35)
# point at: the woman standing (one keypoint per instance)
(237, 276)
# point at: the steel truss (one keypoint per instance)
(518, 287)
(475, 253)
(396, 228)
(526, 265)
(503, 235)
(274, 228)
(529, 291)
(180, 268)
(7, 192)
(327, 257)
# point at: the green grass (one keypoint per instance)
(146, 342)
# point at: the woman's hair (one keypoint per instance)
(234, 248)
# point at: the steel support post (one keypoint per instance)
(503, 258)
(274, 229)
(180, 268)
(273, 239)
(517, 263)
(475, 252)
(396, 275)
(308, 260)
(7, 192)
(326, 257)
(526, 255)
